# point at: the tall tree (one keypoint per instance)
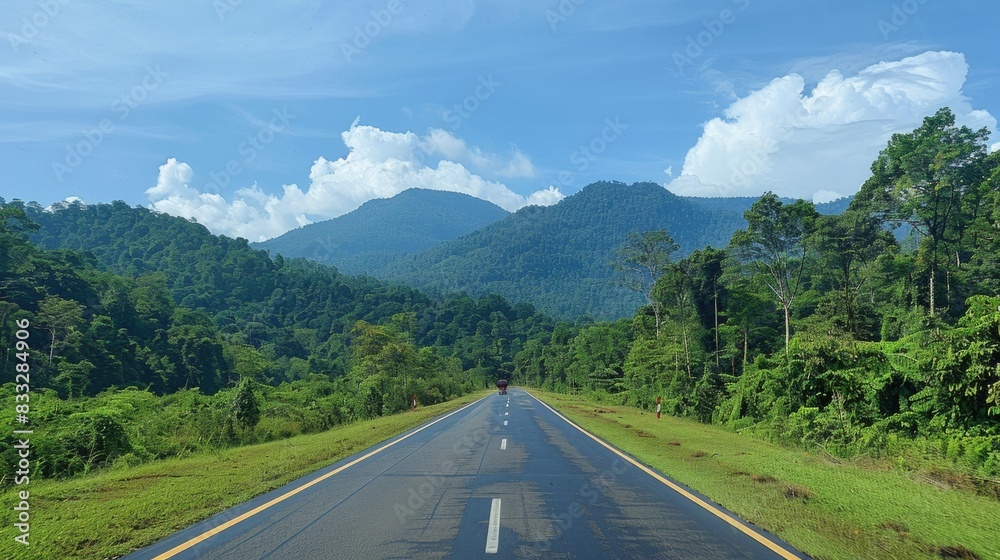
(15, 227)
(775, 243)
(383, 359)
(986, 231)
(60, 317)
(674, 286)
(847, 243)
(924, 179)
(641, 261)
(708, 290)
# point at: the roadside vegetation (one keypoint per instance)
(826, 507)
(112, 512)
(872, 334)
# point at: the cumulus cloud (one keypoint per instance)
(820, 143)
(545, 197)
(825, 196)
(379, 164)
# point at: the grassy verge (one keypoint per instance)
(111, 513)
(827, 508)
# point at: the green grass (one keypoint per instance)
(827, 508)
(111, 513)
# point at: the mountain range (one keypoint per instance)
(556, 258)
(384, 230)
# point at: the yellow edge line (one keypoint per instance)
(714, 510)
(208, 534)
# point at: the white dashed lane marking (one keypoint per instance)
(493, 536)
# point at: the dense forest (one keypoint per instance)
(823, 331)
(152, 338)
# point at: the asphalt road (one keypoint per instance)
(496, 479)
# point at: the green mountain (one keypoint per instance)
(382, 231)
(555, 258)
(558, 257)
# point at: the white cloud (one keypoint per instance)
(520, 166)
(811, 144)
(545, 197)
(68, 201)
(379, 164)
(825, 196)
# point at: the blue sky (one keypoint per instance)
(255, 119)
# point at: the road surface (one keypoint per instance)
(505, 477)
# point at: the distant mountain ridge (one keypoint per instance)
(382, 231)
(740, 204)
(556, 258)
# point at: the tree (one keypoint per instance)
(751, 325)
(195, 350)
(962, 366)
(924, 179)
(775, 243)
(245, 361)
(74, 377)
(381, 358)
(707, 289)
(986, 231)
(245, 410)
(847, 243)
(598, 354)
(15, 227)
(675, 286)
(642, 260)
(60, 317)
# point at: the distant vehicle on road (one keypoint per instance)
(502, 386)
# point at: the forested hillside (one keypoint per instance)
(151, 337)
(825, 331)
(382, 231)
(559, 257)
